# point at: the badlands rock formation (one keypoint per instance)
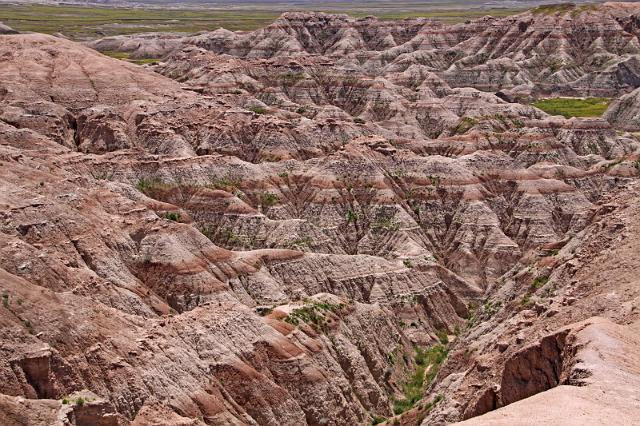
(624, 113)
(568, 50)
(328, 221)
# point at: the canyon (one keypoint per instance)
(326, 221)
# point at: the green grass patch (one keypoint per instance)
(428, 363)
(173, 216)
(574, 107)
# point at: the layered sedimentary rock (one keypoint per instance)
(270, 227)
(551, 50)
(624, 113)
(538, 335)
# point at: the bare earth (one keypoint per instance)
(326, 221)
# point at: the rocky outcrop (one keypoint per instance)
(607, 370)
(624, 113)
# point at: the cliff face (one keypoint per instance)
(289, 226)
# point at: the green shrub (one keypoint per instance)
(443, 337)
(267, 199)
(431, 357)
(174, 216)
(377, 420)
(313, 313)
(80, 401)
(257, 109)
(465, 124)
(224, 183)
(351, 216)
(149, 186)
(539, 282)
(263, 310)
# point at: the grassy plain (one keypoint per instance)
(93, 22)
(574, 107)
(83, 23)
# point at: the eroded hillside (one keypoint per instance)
(325, 221)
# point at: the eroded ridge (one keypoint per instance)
(325, 221)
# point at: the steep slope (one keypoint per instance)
(607, 355)
(100, 293)
(529, 325)
(624, 113)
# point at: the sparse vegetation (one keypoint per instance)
(102, 175)
(539, 282)
(351, 216)
(377, 420)
(148, 185)
(124, 56)
(526, 301)
(385, 223)
(302, 242)
(313, 313)
(428, 363)
(221, 235)
(268, 199)
(443, 337)
(465, 124)
(225, 183)
(257, 109)
(173, 216)
(574, 107)
(481, 313)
